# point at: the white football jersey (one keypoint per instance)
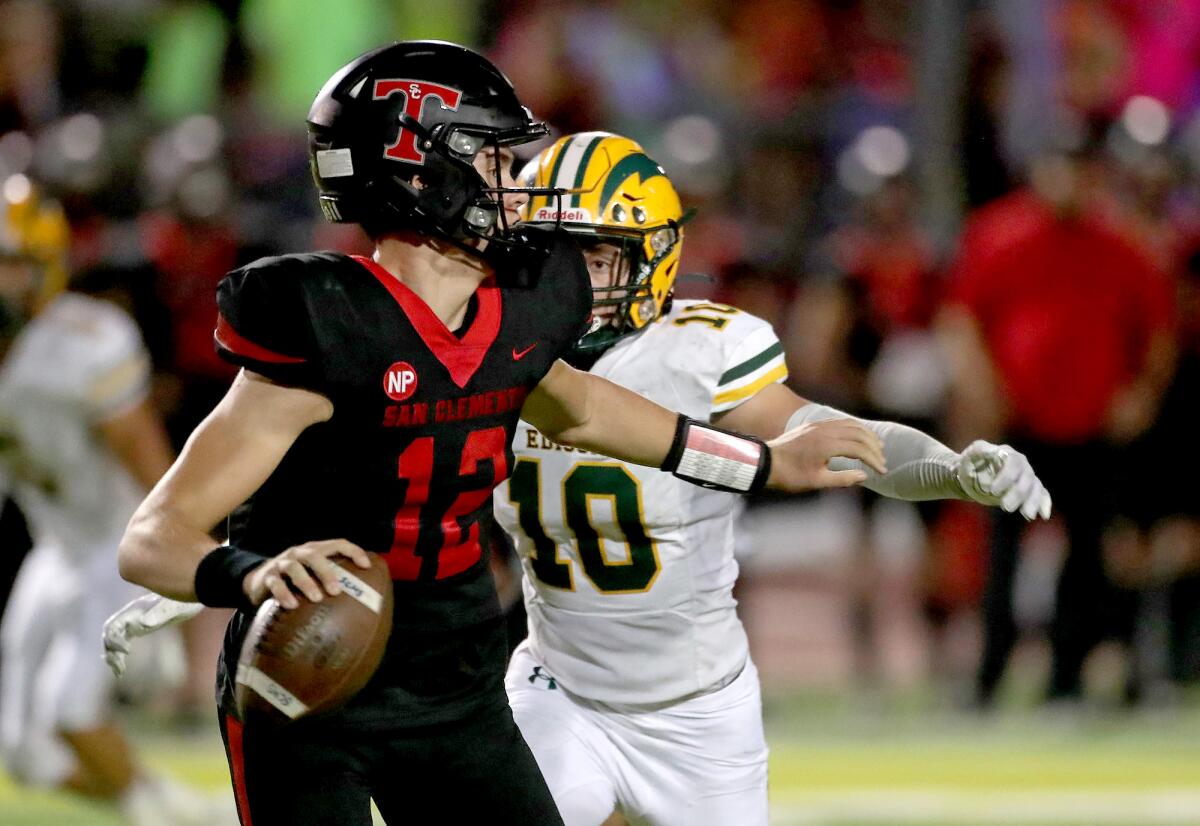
(629, 571)
(78, 362)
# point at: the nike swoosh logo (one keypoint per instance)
(520, 354)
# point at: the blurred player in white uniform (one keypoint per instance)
(635, 689)
(79, 445)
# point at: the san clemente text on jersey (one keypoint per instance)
(490, 403)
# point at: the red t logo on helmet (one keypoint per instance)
(415, 92)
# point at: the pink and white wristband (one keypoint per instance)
(714, 458)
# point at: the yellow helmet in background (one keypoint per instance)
(613, 193)
(34, 229)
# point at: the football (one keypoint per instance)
(315, 657)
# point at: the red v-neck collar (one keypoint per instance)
(460, 356)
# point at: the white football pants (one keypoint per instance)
(700, 762)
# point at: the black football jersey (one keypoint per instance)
(423, 417)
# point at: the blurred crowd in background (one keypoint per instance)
(981, 218)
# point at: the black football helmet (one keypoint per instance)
(418, 107)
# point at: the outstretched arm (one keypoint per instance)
(924, 468)
(919, 466)
(586, 411)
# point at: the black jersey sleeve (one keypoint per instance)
(264, 322)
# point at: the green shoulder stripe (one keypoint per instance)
(750, 365)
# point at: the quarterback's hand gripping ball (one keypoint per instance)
(300, 661)
(144, 615)
(998, 475)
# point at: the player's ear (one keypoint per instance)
(417, 182)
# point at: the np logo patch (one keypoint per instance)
(400, 381)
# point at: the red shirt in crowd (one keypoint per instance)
(1067, 308)
(191, 260)
(895, 273)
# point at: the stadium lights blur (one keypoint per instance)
(693, 139)
(81, 137)
(690, 147)
(197, 138)
(883, 151)
(204, 193)
(17, 188)
(1146, 119)
(879, 153)
(179, 164)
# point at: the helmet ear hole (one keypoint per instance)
(465, 145)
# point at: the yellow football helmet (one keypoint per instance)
(34, 229)
(613, 193)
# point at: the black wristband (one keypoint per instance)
(673, 455)
(764, 468)
(219, 577)
(716, 458)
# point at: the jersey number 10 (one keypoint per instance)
(585, 482)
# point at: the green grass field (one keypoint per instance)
(834, 766)
(196, 758)
(845, 768)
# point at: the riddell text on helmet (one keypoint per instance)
(570, 214)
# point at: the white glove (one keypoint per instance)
(142, 616)
(998, 475)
